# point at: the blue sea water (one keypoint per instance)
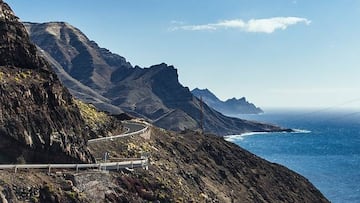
(326, 150)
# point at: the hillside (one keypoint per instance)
(230, 106)
(186, 167)
(39, 120)
(205, 168)
(107, 80)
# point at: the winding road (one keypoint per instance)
(133, 128)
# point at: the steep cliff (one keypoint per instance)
(39, 121)
(79, 63)
(110, 82)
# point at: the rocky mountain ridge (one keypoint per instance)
(230, 107)
(107, 80)
(39, 121)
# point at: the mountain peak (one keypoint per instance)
(206, 93)
(6, 13)
(230, 106)
(16, 49)
(162, 66)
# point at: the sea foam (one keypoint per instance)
(232, 138)
(302, 131)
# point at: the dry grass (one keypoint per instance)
(91, 115)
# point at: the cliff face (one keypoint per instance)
(107, 80)
(229, 107)
(79, 63)
(38, 119)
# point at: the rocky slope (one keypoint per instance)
(229, 107)
(69, 51)
(186, 167)
(108, 81)
(39, 121)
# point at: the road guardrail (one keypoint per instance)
(140, 163)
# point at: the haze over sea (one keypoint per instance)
(326, 150)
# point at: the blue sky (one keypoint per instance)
(277, 53)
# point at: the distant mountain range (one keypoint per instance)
(107, 80)
(229, 107)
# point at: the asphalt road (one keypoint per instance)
(132, 129)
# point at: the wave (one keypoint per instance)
(301, 131)
(232, 138)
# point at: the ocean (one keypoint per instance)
(325, 149)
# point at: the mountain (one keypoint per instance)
(81, 65)
(39, 122)
(229, 107)
(112, 84)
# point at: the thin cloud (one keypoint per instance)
(265, 25)
(317, 91)
(196, 27)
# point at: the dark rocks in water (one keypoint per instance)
(229, 107)
(114, 85)
(39, 121)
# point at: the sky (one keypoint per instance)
(276, 53)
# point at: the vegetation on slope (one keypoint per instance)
(91, 115)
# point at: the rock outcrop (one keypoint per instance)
(229, 107)
(112, 84)
(39, 121)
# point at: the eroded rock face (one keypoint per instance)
(38, 120)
